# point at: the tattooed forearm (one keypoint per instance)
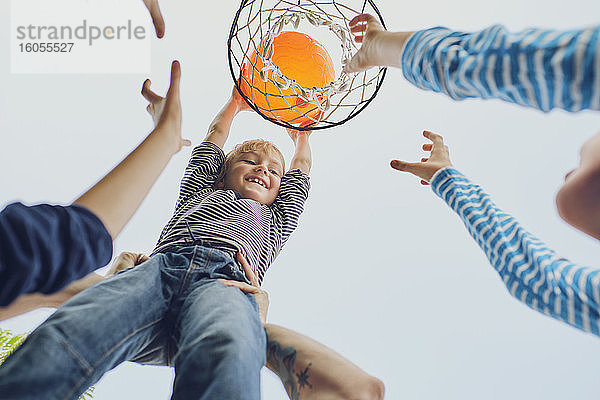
(282, 361)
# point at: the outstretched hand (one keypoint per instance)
(261, 296)
(379, 47)
(157, 18)
(439, 158)
(166, 111)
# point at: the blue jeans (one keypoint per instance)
(168, 310)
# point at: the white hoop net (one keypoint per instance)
(258, 22)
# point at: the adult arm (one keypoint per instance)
(308, 369)
(56, 246)
(539, 68)
(532, 272)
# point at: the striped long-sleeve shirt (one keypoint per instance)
(533, 273)
(224, 220)
(539, 68)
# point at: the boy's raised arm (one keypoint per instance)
(218, 131)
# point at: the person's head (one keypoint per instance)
(254, 170)
(578, 200)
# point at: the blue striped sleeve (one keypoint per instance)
(538, 68)
(532, 273)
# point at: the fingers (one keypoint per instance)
(124, 261)
(247, 270)
(303, 124)
(186, 142)
(157, 18)
(358, 28)
(435, 138)
(243, 286)
(368, 18)
(438, 149)
(141, 258)
(405, 166)
(148, 93)
(158, 21)
(173, 87)
(355, 64)
(175, 78)
(363, 23)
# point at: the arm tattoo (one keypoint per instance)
(282, 361)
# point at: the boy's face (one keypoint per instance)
(255, 175)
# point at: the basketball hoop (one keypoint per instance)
(289, 89)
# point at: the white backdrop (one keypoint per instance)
(380, 269)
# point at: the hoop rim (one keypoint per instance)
(315, 125)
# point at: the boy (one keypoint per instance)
(171, 309)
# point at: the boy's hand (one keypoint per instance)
(157, 18)
(237, 98)
(379, 47)
(261, 296)
(125, 261)
(294, 134)
(166, 111)
(438, 159)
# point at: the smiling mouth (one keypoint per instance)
(257, 181)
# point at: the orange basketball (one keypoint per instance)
(299, 57)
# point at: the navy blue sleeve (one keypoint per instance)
(43, 248)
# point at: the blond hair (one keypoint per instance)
(247, 147)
